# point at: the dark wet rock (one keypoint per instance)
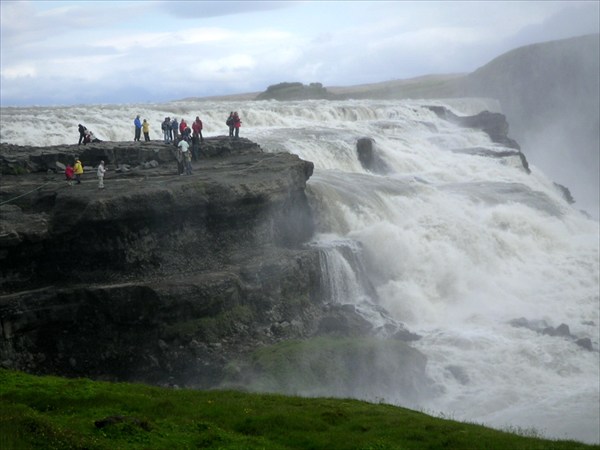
(561, 330)
(459, 374)
(368, 157)
(489, 153)
(566, 193)
(343, 320)
(494, 124)
(585, 343)
(139, 280)
(402, 334)
(542, 327)
(15, 159)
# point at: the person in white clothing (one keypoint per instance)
(101, 172)
(187, 157)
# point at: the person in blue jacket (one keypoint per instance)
(138, 128)
(175, 129)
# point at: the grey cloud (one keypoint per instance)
(205, 9)
(23, 24)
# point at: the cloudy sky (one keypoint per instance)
(76, 52)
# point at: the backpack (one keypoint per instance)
(229, 121)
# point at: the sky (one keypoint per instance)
(118, 52)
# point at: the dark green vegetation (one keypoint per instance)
(60, 413)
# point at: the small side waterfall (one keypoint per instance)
(345, 282)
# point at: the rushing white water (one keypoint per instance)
(454, 246)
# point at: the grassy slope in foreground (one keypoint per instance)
(59, 413)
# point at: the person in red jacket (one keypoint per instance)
(182, 126)
(197, 129)
(69, 174)
(237, 123)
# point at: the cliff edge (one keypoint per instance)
(158, 277)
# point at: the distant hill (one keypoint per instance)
(538, 82)
(427, 86)
(550, 95)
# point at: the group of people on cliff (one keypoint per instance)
(185, 137)
(187, 142)
(73, 173)
(139, 127)
(174, 131)
(234, 123)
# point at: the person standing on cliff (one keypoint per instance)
(78, 171)
(185, 156)
(197, 128)
(166, 129)
(101, 171)
(82, 131)
(138, 128)
(182, 127)
(146, 129)
(175, 129)
(229, 123)
(237, 123)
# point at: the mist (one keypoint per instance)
(570, 159)
(550, 95)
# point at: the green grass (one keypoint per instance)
(59, 413)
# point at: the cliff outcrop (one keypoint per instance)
(158, 277)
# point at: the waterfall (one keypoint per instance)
(461, 248)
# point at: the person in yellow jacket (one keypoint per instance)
(78, 170)
(146, 130)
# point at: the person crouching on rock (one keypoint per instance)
(93, 138)
(100, 173)
(89, 137)
(78, 171)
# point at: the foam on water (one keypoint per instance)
(453, 245)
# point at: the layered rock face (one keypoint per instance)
(158, 277)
